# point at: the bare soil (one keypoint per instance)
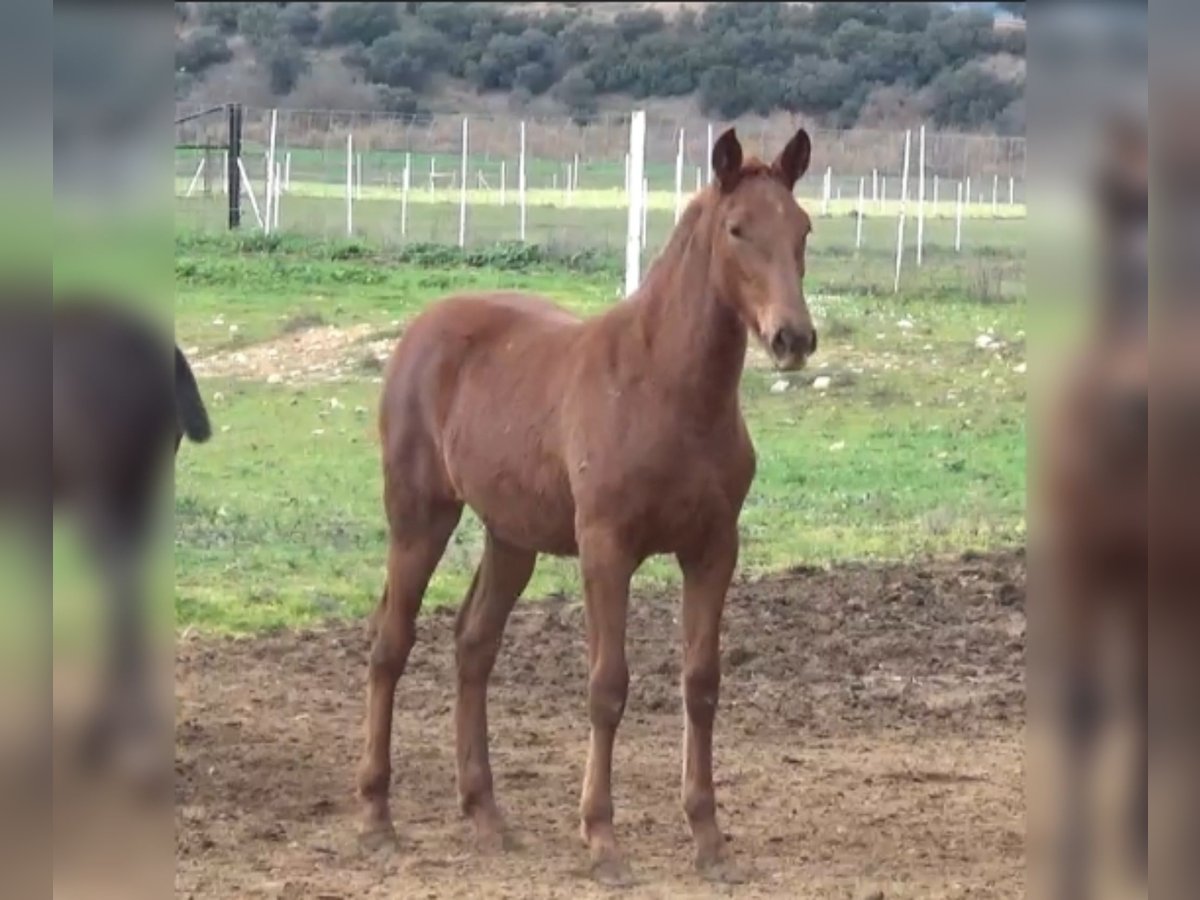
(869, 744)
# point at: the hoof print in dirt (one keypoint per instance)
(376, 840)
(613, 873)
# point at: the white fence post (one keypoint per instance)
(575, 175)
(350, 184)
(995, 194)
(462, 191)
(679, 178)
(903, 210)
(921, 198)
(825, 190)
(862, 185)
(874, 185)
(633, 236)
(249, 191)
(405, 183)
(278, 195)
(270, 196)
(1011, 191)
(967, 192)
(195, 178)
(521, 180)
(958, 217)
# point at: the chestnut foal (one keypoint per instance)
(613, 439)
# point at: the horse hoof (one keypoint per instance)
(376, 838)
(613, 872)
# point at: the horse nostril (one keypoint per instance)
(780, 344)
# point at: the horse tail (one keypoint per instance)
(188, 404)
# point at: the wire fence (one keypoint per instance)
(480, 180)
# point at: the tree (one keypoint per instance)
(285, 61)
(363, 23)
(576, 92)
(404, 102)
(204, 49)
(221, 16)
(406, 58)
(301, 21)
(259, 23)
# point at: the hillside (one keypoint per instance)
(841, 65)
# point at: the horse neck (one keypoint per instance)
(696, 341)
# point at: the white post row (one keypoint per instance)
(636, 200)
(903, 210)
(350, 184)
(462, 190)
(521, 180)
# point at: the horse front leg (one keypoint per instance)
(706, 577)
(607, 569)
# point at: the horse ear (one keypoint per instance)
(793, 161)
(727, 159)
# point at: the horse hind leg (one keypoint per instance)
(413, 554)
(502, 575)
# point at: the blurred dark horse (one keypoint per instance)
(122, 406)
(1095, 475)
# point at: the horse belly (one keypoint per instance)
(520, 492)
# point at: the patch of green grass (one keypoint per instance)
(916, 446)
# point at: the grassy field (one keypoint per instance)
(917, 445)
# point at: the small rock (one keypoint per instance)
(822, 382)
(274, 378)
(780, 386)
(983, 341)
(1019, 368)
(318, 431)
(905, 324)
(840, 445)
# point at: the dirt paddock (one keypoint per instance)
(869, 745)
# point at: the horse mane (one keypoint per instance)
(687, 228)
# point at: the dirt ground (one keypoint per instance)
(869, 745)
